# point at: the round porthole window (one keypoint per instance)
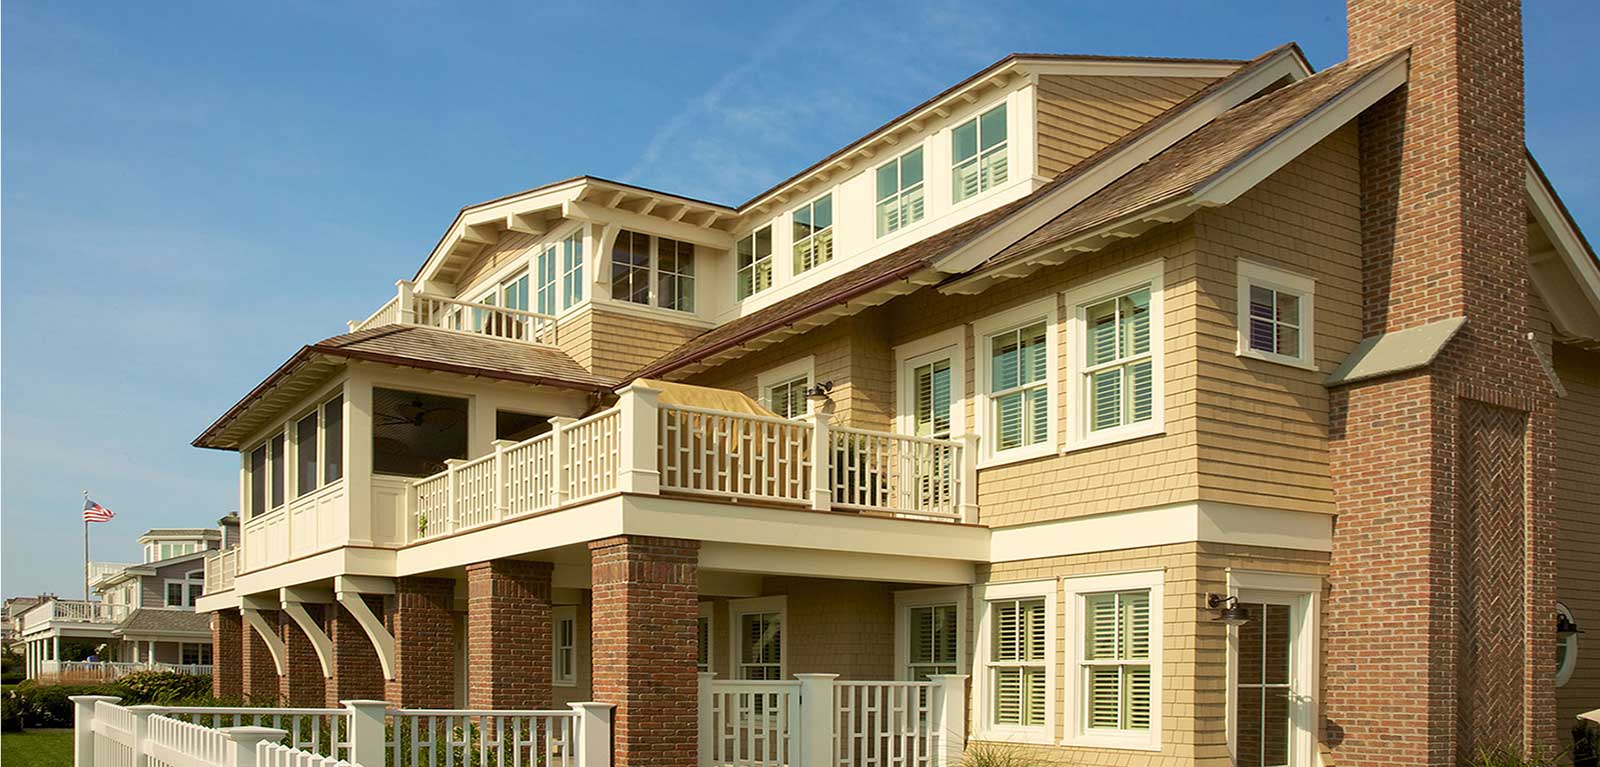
(1566, 647)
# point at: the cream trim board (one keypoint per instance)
(1303, 594)
(1163, 525)
(805, 366)
(1304, 288)
(738, 608)
(982, 700)
(1074, 590)
(951, 342)
(982, 330)
(1078, 301)
(904, 601)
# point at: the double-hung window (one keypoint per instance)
(754, 262)
(1275, 315)
(572, 270)
(1117, 364)
(900, 192)
(639, 261)
(978, 150)
(1014, 696)
(674, 275)
(783, 389)
(813, 234)
(564, 670)
(544, 269)
(1019, 370)
(630, 268)
(758, 638)
(1116, 659)
(934, 638)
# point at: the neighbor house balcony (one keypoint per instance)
(412, 307)
(71, 611)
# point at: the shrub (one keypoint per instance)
(49, 705)
(10, 711)
(996, 755)
(163, 688)
(1511, 756)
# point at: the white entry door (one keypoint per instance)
(1273, 670)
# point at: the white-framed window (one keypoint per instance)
(675, 275)
(783, 389)
(1566, 649)
(1117, 381)
(182, 592)
(194, 654)
(318, 445)
(930, 631)
(333, 439)
(758, 645)
(511, 293)
(978, 154)
(630, 268)
(640, 261)
(572, 270)
(544, 271)
(1017, 382)
(706, 632)
(564, 637)
(931, 396)
(900, 198)
(1115, 641)
(1275, 315)
(754, 265)
(813, 234)
(1014, 698)
(277, 458)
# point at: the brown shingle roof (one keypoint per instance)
(147, 621)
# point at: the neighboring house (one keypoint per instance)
(144, 618)
(10, 619)
(1060, 380)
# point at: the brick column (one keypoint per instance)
(508, 635)
(646, 611)
(258, 673)
(357, 673)
(424, 644)
(302, 684)
(227, 633)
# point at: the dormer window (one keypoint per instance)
(900, 192)
(572, 270)
(978, 149)
(755, 262)
(639, 261)
(813, 234)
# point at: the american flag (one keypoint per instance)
(94, 512)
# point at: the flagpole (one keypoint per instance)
(86, 551)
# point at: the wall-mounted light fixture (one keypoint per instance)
(1566, 627)
(1228, 609)
(817, 393)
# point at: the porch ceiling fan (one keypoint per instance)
(416, 413)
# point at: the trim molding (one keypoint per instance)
(1204, 522)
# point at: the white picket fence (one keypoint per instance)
(362, 734)
(818, 721)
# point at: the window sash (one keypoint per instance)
(1274, 320)
(630, 268)
(277, 467)
(932, 406)
(1019, 385)
(1115, 660)
(978, 153)
(754, 262)
(788, 399)
(545, 268)
(813, 234)
(760, 645)
(933, 640)
(1119, 353)
(1018, 674)
(900, 196)
(305, 453)
(675, 274)
(571, 270)
(333, 439)
(566, 668)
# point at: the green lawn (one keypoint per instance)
(36, 748)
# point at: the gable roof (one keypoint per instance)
(418, 347)
(148, 621)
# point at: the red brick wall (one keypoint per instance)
(423, 625)
(645, 629)
(508, 635)
(357, 673)
(302, 682)
(258, 671)
(227, 630)
(1423, 545)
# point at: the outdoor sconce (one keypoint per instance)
(1228, 609)
(1566, 628)
(817, 393)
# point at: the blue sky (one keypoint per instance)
(191, 191)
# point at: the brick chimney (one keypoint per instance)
(1439, 636)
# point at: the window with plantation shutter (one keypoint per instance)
(1119, 364)
(900, 202)
(1275, 314)
(813, 234)
(760, 645)
(934, 636)
(978, 151)
(1017, 662)
(1116, 660)
(931, 384)
(1018, 368)
(754, 263)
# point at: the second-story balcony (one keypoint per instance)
(412, 307)
(56, 611)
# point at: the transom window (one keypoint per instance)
(755, 262)
(1119, 364)
(1018, 670)
(1019, 369)
(934, 637)
(1275, 314)
(900, 201)
(813, 234)
(978, 148)
(760, 645)
(639, 261)
(572, 270)
(1116, 660)
(564, 671)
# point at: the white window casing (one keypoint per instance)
(900, 193)
(812, 225)
(777, 388)
(984, 333)
(991, 673)
(979, 150)
(1111, 657)
(1113, 366)
(906, 606)
(1276, 315)
(949, 344)
(752, 657)
(753, 263)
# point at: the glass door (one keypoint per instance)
(1272, 711)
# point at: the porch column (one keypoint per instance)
(357, 673)
(150, 656)
(508, 635)
(424, 644)
(301, 683)
(258, 672)
(227, 633)
(646, 617)
(55, 651)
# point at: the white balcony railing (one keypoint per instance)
(410, 307)
(221, 568)
(641, 446)
(73, 611)
(105, 671)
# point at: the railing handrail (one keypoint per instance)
(487, 307)
(481, 712)
(368, 322)
(896, 436)
(758, 418)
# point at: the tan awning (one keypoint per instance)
(709, 398)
